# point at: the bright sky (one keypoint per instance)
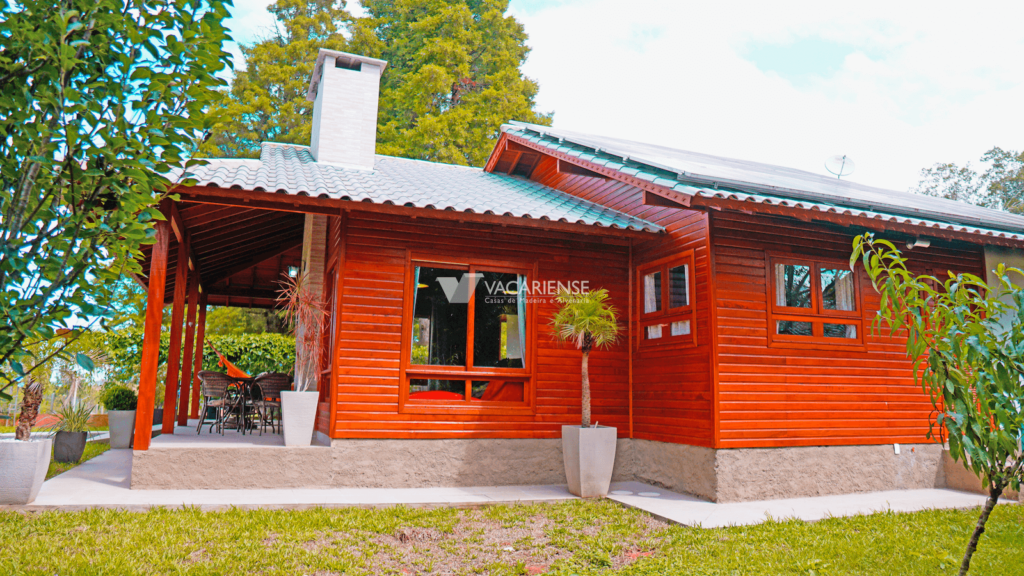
(897, 86)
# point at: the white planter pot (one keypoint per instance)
(23, 468)
(122, 428)
(589, 455)
(298, 413)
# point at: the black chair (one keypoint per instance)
(266, 397)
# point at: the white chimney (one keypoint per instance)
(344, 90)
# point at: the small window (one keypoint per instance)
(814, 302)
(666, 301)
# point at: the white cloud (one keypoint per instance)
(919, 83)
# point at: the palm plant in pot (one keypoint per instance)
(71, 432)
(306, 311)
(23, 460)
(120, 403)
(588, 321)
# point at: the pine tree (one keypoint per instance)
(267, 101)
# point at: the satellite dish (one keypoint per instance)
(840, 165)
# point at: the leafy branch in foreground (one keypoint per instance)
(966, 339)
(98, 100)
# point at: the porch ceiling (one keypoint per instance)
(241, 253)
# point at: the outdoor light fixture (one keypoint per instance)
(918, 243)
(293, 271)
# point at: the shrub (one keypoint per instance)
(119, 398)
(72, 419)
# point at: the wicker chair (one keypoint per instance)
(267, 397)
(216, 395)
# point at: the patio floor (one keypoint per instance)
(103, 482)
(186, 437)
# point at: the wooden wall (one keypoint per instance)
(372, 282)
(798, 397)
(672, 387)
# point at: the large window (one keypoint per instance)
(666, 307)
(813, 302)
(468, 336)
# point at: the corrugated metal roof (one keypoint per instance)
(290, 169)
(693, 173)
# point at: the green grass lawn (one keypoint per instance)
(591, 537)
(92, 450)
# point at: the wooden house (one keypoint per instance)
(748, 369)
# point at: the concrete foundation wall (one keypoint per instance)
(958, 477)
(719, 475)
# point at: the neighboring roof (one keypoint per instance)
(290, 169)
(703, 175)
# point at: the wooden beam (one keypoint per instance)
(198, 360)
(151, 333)
(271, 252)
(174, 350)
(245, 292)
(187, 358)
(333, 206)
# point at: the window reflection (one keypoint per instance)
(792, 286)
(439, 327)
(652, 293)
(837, 289)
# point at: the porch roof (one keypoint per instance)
(712, 178)
(291, 169)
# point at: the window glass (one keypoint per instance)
(837, 289)
(793, 328)
(496, 338)
(498, 391)
(680, 328)
(432, 389)
(678, 286)
(792, 286)
(840, 331)
(652, 332)
(439, 326)
(652, 292)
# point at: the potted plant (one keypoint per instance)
(71, 432)
(120, 404)
(306, 311)
(588, 321)
(23, 460)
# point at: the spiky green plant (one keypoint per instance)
(72, 418)
(587, 320)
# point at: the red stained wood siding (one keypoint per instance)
(673, 394)
(371, 290)
(771, 396)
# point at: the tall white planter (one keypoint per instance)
(23, 468)
(589, 455)
(298, 414)
(122, 428)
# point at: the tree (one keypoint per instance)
(267, 101)
(588, 321)
(453, 76)
(967, 343)
(1000, 186)
(99, 99)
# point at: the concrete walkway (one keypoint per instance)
(104, 482)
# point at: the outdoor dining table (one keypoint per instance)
(244, 391)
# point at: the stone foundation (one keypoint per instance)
(727, 475)
(958, 477)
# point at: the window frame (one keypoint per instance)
(409, 371)
(666, 316)
(816, 315)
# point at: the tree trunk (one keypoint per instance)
(29, 410)
(993, 497)
(586, 387)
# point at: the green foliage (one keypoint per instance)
(72, 418)
(98, 100)
(586, 319)
(453, 76)
(1000, 186)
(253, 353)
(119, 398)
(267, 101)
(576, 537)
(224, 320)
(967, 343)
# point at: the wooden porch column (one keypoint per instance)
(174, 350)
(198, 365)
(151, 332)
(187, 359)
